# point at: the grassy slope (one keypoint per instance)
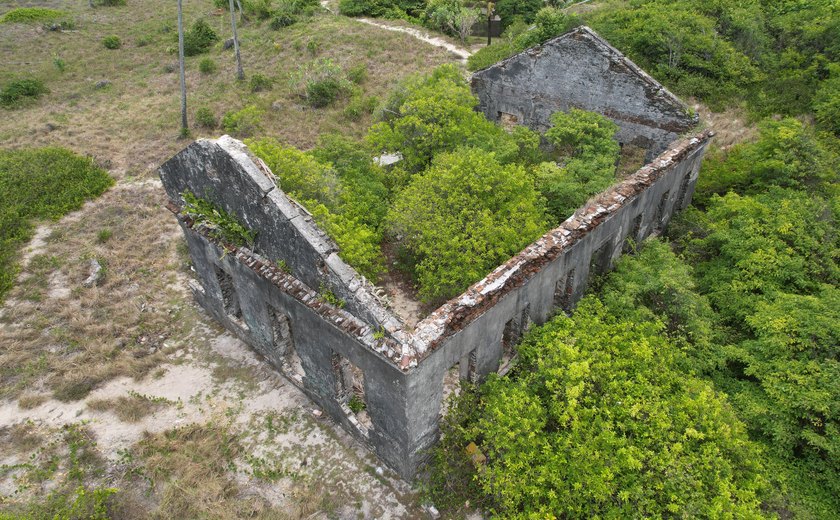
(134, 121)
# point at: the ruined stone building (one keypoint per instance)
(271, 296)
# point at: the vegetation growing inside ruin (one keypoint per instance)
(502, 191)
(220, 224)
(35, 184)
(749, 309)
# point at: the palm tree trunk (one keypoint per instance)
(184, 127)
(240, 74)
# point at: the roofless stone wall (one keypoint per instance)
(380, 380)
(581, 70)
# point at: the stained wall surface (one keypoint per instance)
(581, 70)
(548, 276)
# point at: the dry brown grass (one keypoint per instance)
(731, 126)
(133, 123)
(67, 339)
(131, 408)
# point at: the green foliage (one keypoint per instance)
(548, 23)
(341, 187)
(355, 404)
(827, 103)
(282, 18)
(59, 64)
(111, 3)
(199, 38)
(586, 153)
(205, 117)
(243, 123)
(509, 10)
(597, 419)
(207, 66)
(259, 83)
(218, 222)
(320, 83)
(31, 15)
(44, 183)
(299, 174)
(426, 116)
(330, 297)
(787, 154)
(360, 105)
(112, 42)
(463, 216)
(15, 92)
(358, 73)
(680, 46)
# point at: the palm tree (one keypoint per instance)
(184, 127)
(240, 74)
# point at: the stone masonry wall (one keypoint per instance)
(548, 275)
(581, 70)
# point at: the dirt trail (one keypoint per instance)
(463, 54)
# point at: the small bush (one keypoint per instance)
(259, 83)
(112, 42)
(320, 83)
(358, 73)
(31, 15)
(111, 3)
(360, 105)
(243, 123)
(15, 91)
(283, 18)
(60, 64)
(199, 38)
(143, 41)
(205, 117)
(207, 66)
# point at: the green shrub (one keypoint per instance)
(205, 117)
(207, 66)
(462, 217)
(282, 18)
(598, 420)
(262, 9)
(218, 222)
(59, 64)
(17, 91)
(44, 183)
(360, 105)
(320, 82)
(111, 3)
(199, 38)
(358, 73)
(259, 83)
(827, 103)
(428, 115)
(112, 42)
(31, 15)
(243, 123)
(586, 151)
(509, 10)
(548, 23)
(348, 200)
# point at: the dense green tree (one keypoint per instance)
(597, 420)
(586, 153)
(463, 216)
(436, 114)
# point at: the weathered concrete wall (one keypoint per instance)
(581, 70)
(282, 315)
(225, 174)
(318, 332)
(549, 274)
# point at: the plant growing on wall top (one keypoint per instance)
(219, 223)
